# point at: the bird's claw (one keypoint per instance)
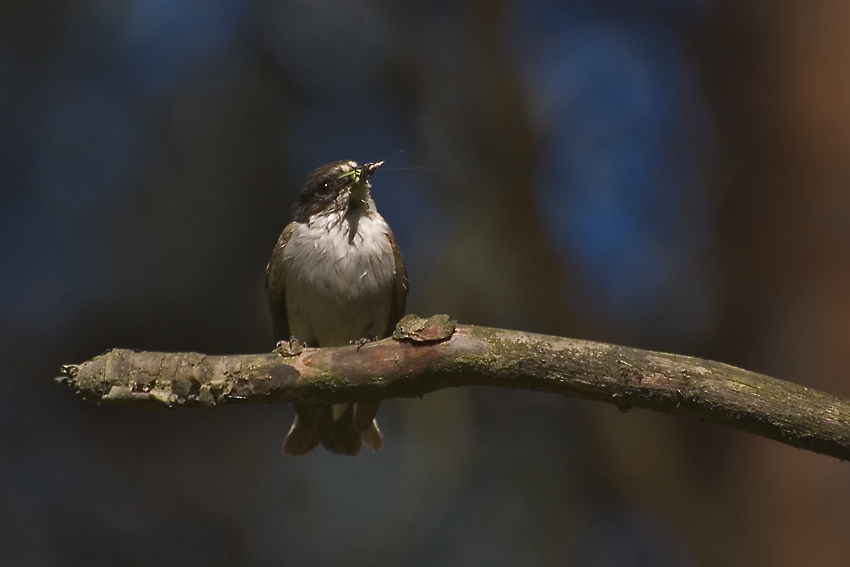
(288, 348)
(362, 341)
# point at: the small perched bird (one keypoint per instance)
(336, 277)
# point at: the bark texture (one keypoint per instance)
(427, 355)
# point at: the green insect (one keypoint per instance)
(354, 174)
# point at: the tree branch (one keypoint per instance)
(427, 355)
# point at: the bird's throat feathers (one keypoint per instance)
(346, 218)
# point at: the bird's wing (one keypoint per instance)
(400, 288)
(276, 286)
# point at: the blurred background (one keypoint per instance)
(665, 174)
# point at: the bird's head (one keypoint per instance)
(333, 187)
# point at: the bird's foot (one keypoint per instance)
(362, 341)
(288, 348)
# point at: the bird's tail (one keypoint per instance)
(340, 428)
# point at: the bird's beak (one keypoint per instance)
(371, 168)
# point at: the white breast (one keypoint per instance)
(339, 277)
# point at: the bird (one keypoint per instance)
(336, 277)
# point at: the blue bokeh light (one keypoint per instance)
(170, 43)
(618, 181)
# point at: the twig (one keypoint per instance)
(427, 355)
